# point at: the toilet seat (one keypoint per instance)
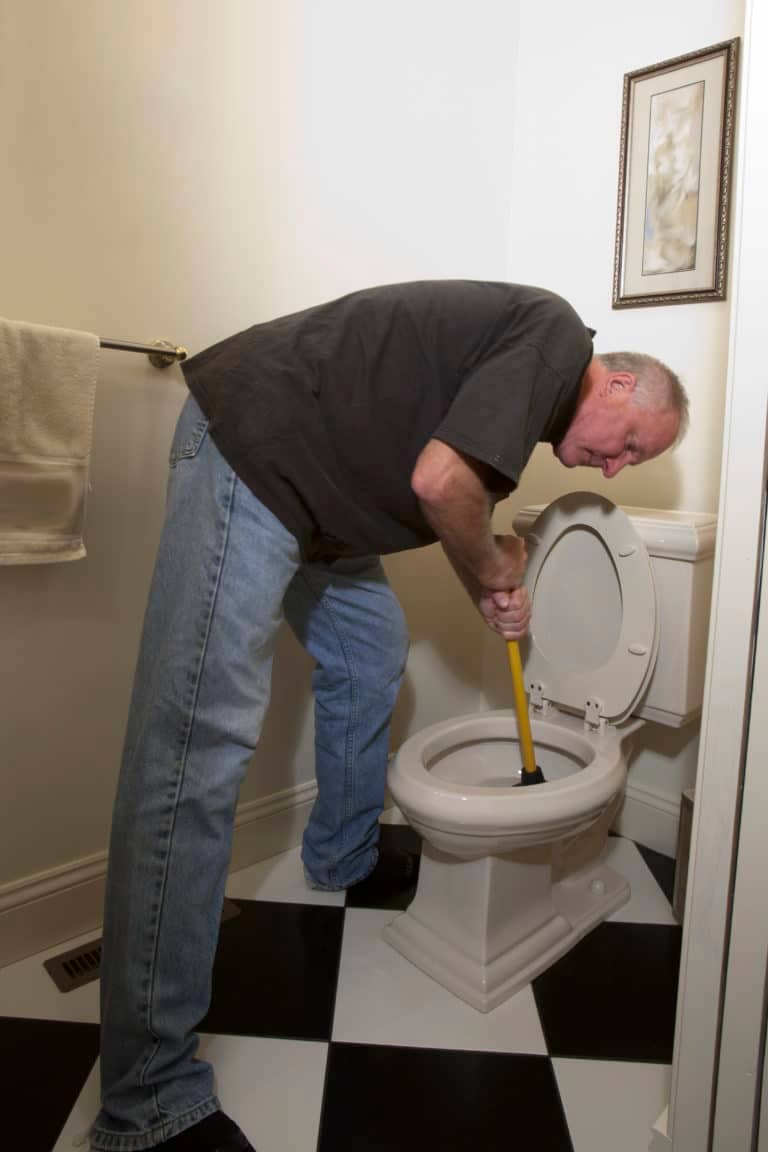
(593, 638)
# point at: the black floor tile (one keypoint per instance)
(398, 837)
(378, 890)
(389, 1099)
(613, 996)
(275, 971)
(662, 867)
(43, 1066)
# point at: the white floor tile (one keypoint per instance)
(384, 999)
(647, 904)
(26, 989)
(612, 1105)
(281, 879)
(272, 1088)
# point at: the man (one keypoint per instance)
(309, 446)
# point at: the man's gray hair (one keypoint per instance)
(657, 386)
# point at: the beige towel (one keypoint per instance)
(47, 393)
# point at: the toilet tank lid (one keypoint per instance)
(672, 535)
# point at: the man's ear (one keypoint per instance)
(618, 382)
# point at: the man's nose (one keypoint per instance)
(612, 467)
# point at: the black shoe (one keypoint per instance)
(395, 871)
(216, 1133)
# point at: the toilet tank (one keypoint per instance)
(681, 548)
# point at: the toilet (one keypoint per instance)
(512, 877)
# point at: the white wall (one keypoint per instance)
(565, 156)
(180, 169)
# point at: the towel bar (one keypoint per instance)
(160, 352)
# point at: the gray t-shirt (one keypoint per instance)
(323, 413)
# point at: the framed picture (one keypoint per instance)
(677, 128)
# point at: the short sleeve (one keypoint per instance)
(503, 408)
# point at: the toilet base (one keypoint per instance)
(485, 928)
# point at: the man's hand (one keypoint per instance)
(503, 602)
(508, 613)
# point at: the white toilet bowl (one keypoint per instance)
(458, 781)
(512, 877)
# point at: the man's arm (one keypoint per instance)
(458, 506)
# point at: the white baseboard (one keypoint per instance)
(38, 912)
(271, 825)
(650, 818)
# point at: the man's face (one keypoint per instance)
(608, 431)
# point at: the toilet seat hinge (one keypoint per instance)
(593, 719)
(538, 701)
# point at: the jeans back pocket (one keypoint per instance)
(190, 433)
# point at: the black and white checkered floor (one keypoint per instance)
(326, 1040)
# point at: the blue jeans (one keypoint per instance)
(227, 573)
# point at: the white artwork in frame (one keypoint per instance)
(674, 179)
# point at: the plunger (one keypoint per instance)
(531, 773)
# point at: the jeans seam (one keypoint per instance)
(349, 743)
(186, 733)
(120, 1142)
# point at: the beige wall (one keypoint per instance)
(183, 168)
(180, 169)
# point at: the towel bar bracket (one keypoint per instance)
(169, 354)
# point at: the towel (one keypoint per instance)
(47, 395)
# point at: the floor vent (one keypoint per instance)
(79, 966)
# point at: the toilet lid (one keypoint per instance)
(593, 637)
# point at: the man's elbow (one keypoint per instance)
(426, 486)
(434, 474)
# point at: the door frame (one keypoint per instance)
(711, 1043)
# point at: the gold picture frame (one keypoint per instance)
(677, 129)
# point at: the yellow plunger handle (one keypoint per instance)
(521, 706)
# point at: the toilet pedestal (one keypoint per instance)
(484, 928)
